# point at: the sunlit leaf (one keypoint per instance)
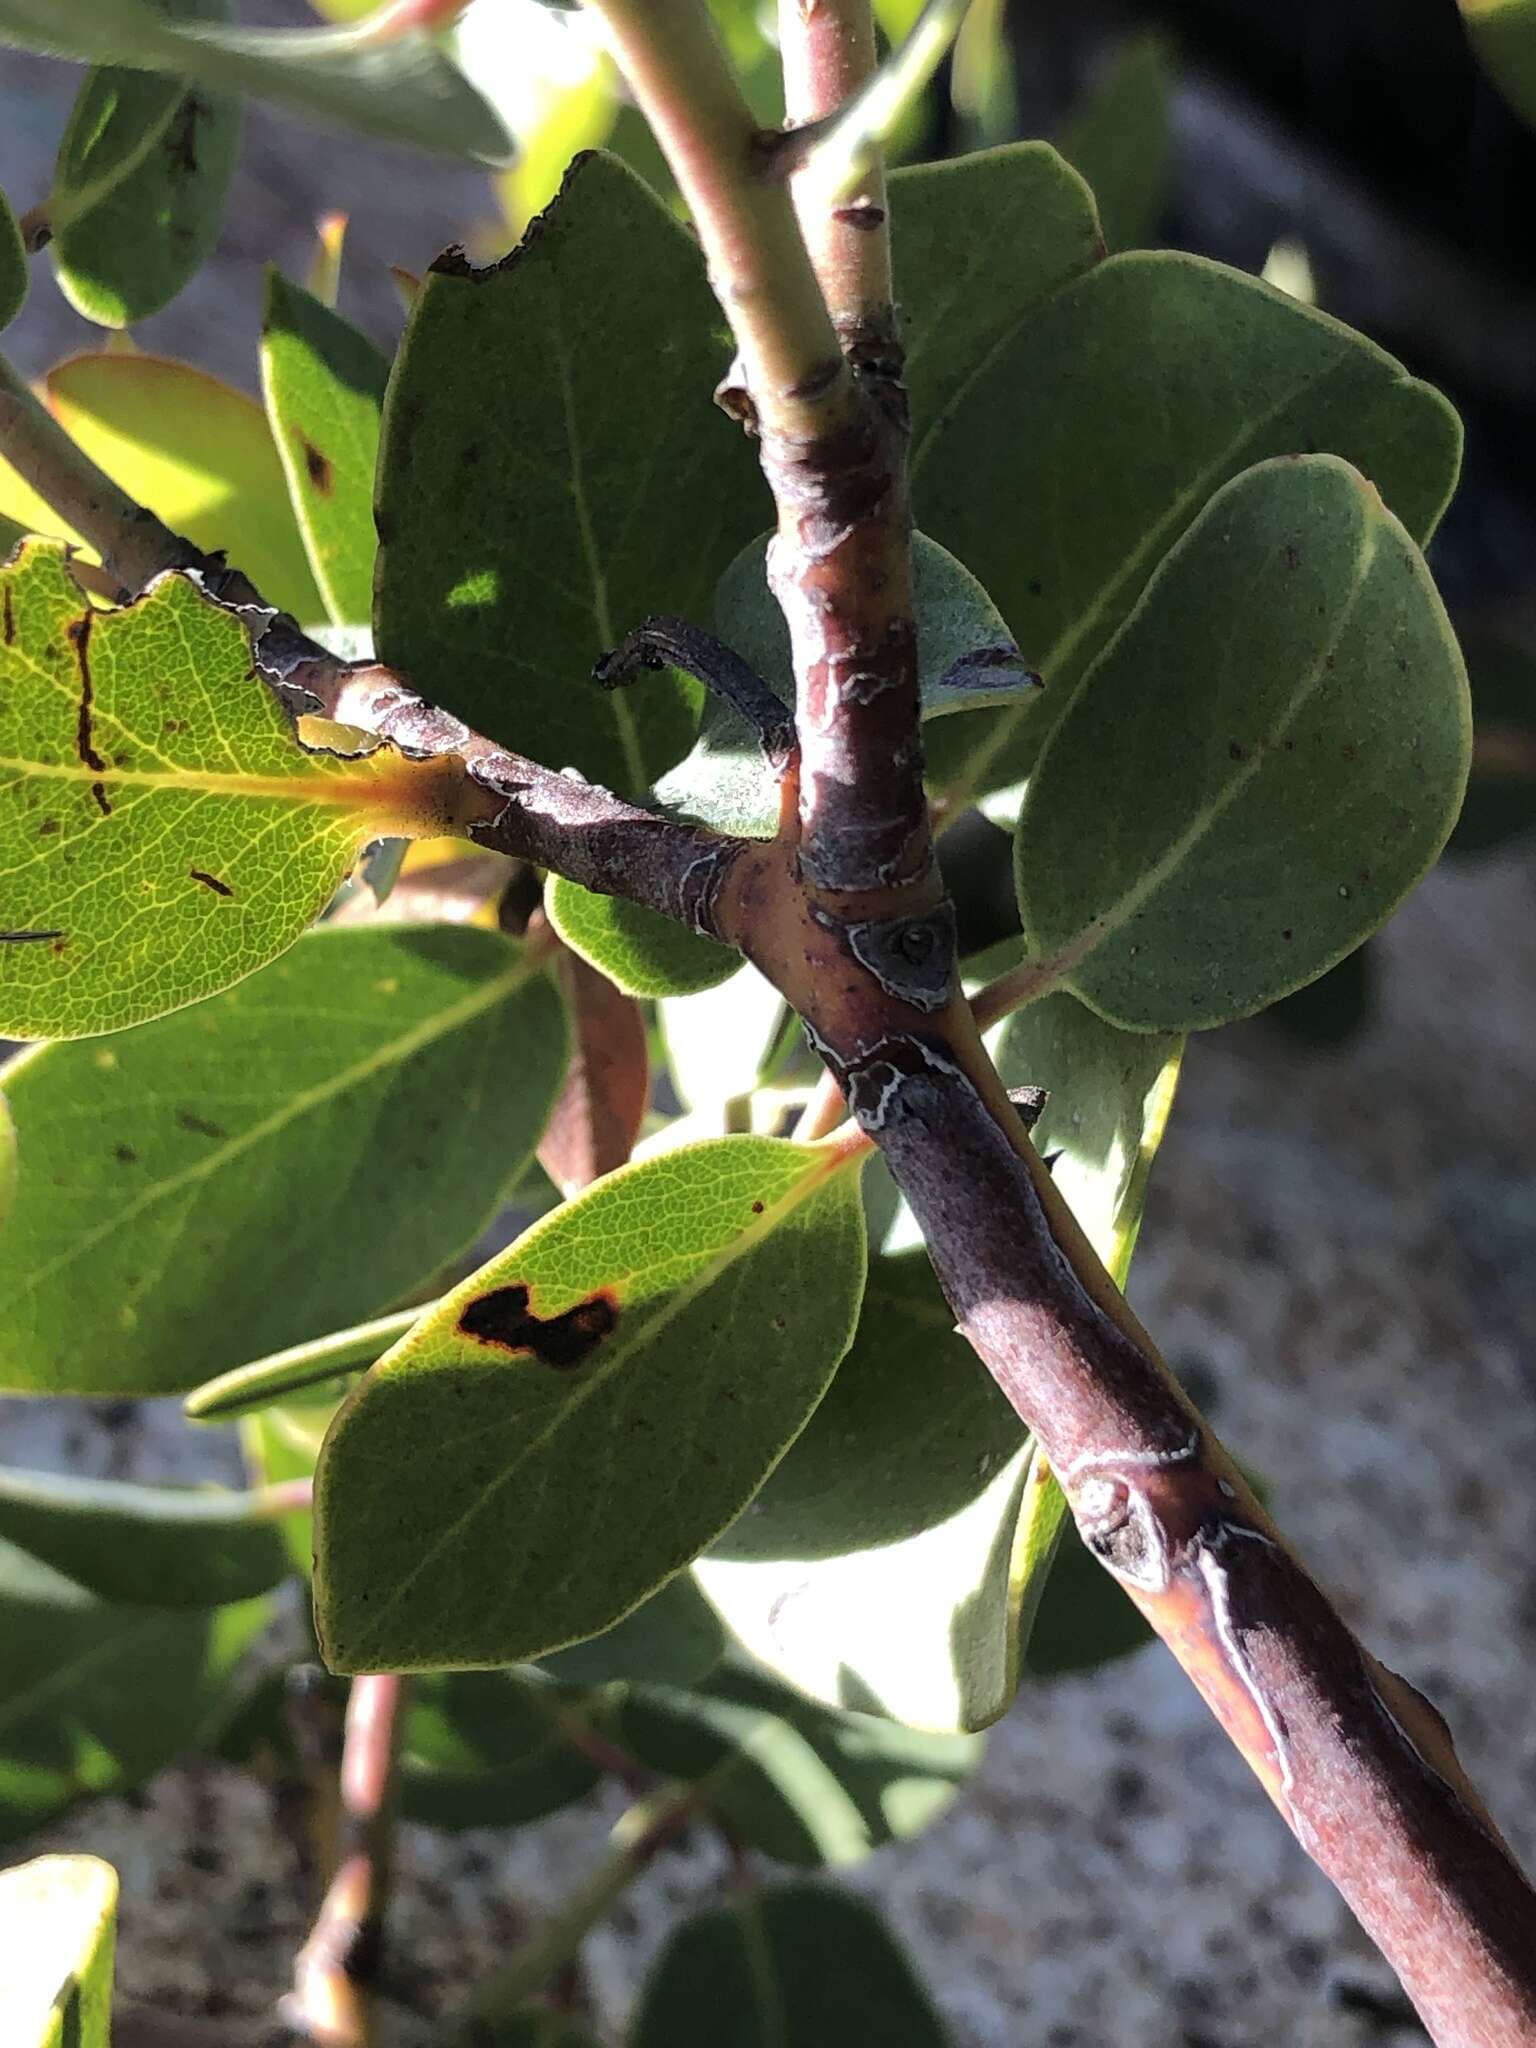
(1300, 765)
(139, 190)
(285, 1159)
(797, 1780)
(403, 88)
(162, 832)
(60, 1919)
(787, 1966)
(641, 951)
(553, 471)
(148, 1545)
(324, 385)
(579, 1418)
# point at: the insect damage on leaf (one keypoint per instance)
(503, 1318)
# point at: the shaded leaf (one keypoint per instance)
(584, 1414)
(154, 1546)
(789, 1966)
(96, 1697)
(1503, 33)
(1328, 1012)
(553, 471)
(966, 659)
(797, 1780)
(1300, 763)
(282, 1443)
(160, 825)
(1119, 137)
(60, 1919)
(13, 275)
(298, 1152)
(674, 1638)
(324, 387)
(1082, 447)
(139, 189)
(488, 1749)
(607, 1088)
(979, 242)
(403, 89)
(642, 952)
(195, 451)
(535, 2026)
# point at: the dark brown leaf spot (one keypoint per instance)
(865, 218)
(200, 1124)
(503, 1318)
(1236, 752)
(80, 639)
(757, 1208)
(1291, 555)
(10, 618)
(318, 467)
(125, 1153)
(211, 882)
(103, 801)
(47, 828)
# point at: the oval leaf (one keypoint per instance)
(552, 474)
(139, 190)
(642, 952)
(670, 1330)
(151, 1546)
(1289, 705)
(287, 1158)
(1084, 444)
(490, 1749)
(60, 1919)
(966, 660)
(789, 1966)
(162, 832)
(324, 387)
(800, 1782)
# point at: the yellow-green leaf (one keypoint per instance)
(578, 1419)
(59, 1914)
(162, 832)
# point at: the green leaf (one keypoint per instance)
(553, 471)
(266, 1380)
(574, 1423)
(873, 1569)
(979, 242)
(324, 386)
(7, 1160)
(282, 1444)
(296, 1153)
(154, 1546)
(13, 274)
(788, 1966)
(796, 1780)
(535, 2026)
(674, 1638)
(490, 1749)
(96, 1697)
(162, 832)
(966, 659)
(138, 194)
(1503, 33)
(403, 89)
(641, 951)
(60, 1920)
(1297, 768)
(1119, 136)
(195, 451)
(1087, 441)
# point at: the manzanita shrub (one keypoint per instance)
(337, 948)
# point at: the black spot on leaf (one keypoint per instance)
(503, 1318)
(318, 467)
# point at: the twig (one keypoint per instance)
(661, 642)
(330, 2000)
(638, 1837)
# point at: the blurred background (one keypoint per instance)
(1338, 1251)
